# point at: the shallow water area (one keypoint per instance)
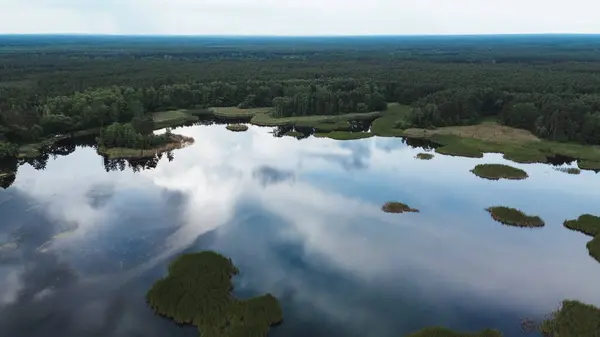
(81, 241)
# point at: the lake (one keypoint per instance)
(80, 246)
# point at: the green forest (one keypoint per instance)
(59, 85)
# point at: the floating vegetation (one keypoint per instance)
(499, 171)
(514, 217)
(569, 170)
(573, 319)
(589, 225)
(424, 156)
(397, 207)
(237, 127)
(197, 291)
(444, 332)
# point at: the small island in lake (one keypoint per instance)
(444, 332)
(137, 140)
(589, 225)
(424, 156)
(514, 217)
(569, 170)
(237, 127)
(573, 319)
(197, 291)
(397, 207)
(499, 171)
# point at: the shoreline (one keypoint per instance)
(177, 142)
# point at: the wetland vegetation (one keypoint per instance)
(237, 127)
(536, 99)
(573, 319)
(589, 225)
(569, 170)
(530, 98)
(514, 217)
(499, 171)
(424, 156)
(197, 291)
(397, 207)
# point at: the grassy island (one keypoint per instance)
(499, 171)
(514, 217)
(397, 207)
(237, 127)
(589, 225)
(197, 291)
(443, 332)
(573, 319)
(424, 156)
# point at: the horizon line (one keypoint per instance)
(302, 36)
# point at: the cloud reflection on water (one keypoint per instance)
(450, 253)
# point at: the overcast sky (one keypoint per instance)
(303, 17)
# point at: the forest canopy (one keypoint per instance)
(57, 85)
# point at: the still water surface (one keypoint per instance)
(79, 246)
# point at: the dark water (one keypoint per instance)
(79, 246)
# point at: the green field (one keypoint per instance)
(173, 118)
(392, 121)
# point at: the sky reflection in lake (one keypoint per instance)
(79, 246)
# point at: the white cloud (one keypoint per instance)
(307, 17)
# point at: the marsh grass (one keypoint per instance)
(177, 142)
(172, 118)
(424, 156)
(589, 225)
(573, 319)
(392, 121)
(237, 113)
(499, 171)
(444, 332)
(237, 127)
(459, 150)
(397, 207)
(197, 291)
(589, 165)
(514, 217)
(569, 170)
(517, 145)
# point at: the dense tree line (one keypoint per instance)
(126, 136)
(58, 85)
(567, 117)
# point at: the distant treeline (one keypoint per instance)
(55, 85)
